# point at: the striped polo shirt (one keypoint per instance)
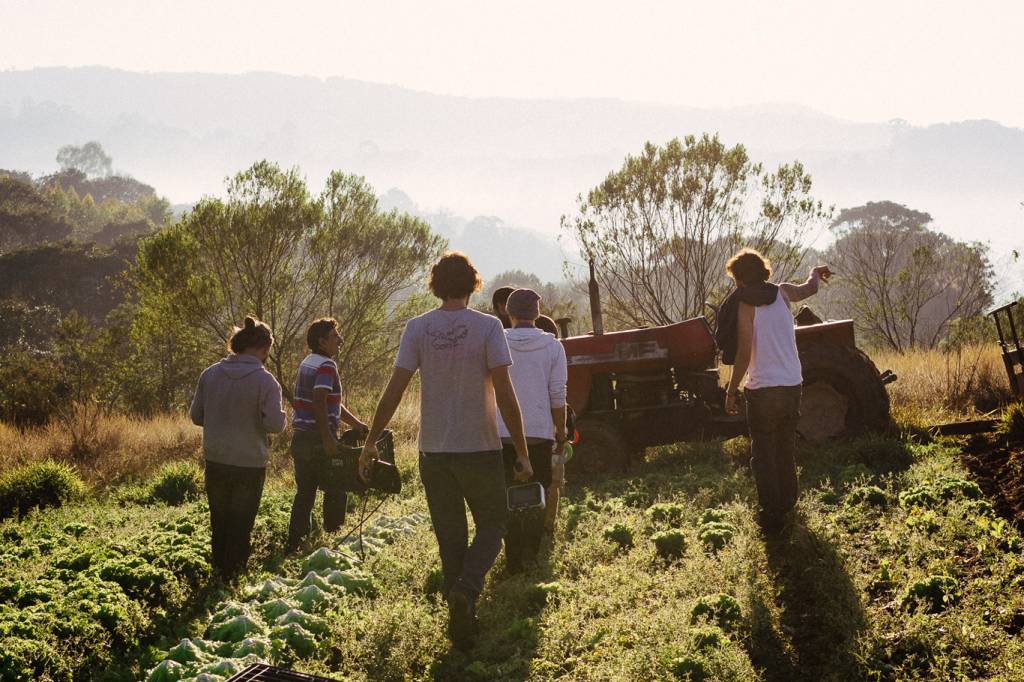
(316, 371)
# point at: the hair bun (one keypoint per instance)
(250, 322)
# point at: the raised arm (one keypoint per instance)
(798, 292)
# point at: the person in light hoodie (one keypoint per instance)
(238, 403)
(539, 375)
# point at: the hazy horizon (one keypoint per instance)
(511, 110)
(926, 62)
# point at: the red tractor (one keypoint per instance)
(644, 387)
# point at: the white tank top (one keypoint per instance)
(773, 356)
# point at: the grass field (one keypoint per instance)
(896, 568)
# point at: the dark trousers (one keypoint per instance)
(526, 528)
(772, 414)
(233, 494)
(310, 476)
(452, 480)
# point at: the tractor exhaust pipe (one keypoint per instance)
(595, 303)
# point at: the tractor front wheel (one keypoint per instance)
(602, 449)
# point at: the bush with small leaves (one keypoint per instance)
(176, 483)
(713, 516)
(950, 488)
(722, 609)
(1012, 423)
(29, 659)
(716, 535)
(669, 544)
(708, 637)
(620, 534)
(689, 669)
(935, 593)
(919, 496)
(667, 513)
(539, 594)
(870, 495)
(38, 485)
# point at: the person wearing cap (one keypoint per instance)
(539, 374)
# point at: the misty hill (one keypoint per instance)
(522, 160)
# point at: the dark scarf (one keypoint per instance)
(727, 334)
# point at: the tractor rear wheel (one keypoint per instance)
(602, 448)
(843, 393)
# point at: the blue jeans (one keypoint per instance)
(452, 480)
(310, 469)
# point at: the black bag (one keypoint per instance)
(342, 468)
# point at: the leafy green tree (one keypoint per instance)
(67, 276)
(271, 250)
(89, 158)
(903, 283)
(26, 325)
(26, 216)
(662, 227)
(32, 386)
(155, 358)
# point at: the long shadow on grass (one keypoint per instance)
(510, 629)
(821, 611)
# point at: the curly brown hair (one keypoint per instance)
(454, 277)
(748, 267)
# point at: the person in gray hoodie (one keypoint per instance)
(539, 372)
(238, 403)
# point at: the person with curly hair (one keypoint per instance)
(463, 360)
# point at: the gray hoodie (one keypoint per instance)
(539, 375)
(238, 402)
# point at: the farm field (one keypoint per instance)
(899, 566)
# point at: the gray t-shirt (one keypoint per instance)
(454, 350)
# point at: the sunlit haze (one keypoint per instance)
(871, 60)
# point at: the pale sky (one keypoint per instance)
(870, 60)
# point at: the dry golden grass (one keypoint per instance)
(122, 447)
(933, 387)
(936, 386)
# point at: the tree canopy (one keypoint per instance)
(88, 158)
(272, 250)
(902, 282)
(662, 227)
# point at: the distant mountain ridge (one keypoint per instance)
(523, 160)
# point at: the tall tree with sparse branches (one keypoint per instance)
(903, 283)
(662, 227)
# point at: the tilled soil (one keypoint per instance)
(999, 470)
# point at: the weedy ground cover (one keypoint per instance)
(870, 583)
(898, 567)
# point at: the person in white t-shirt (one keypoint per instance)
(539, 374)
(463, 361)
(766, 351)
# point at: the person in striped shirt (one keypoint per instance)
(318, 415)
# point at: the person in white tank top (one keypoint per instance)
(766, 352)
